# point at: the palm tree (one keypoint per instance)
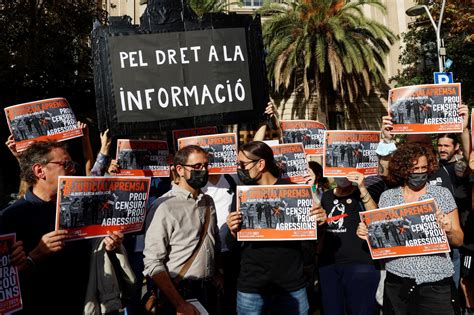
(201, 7)
(325, 45)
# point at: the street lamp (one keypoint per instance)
(421, 9)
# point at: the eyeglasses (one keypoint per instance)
(197, 166)
(242, 165)
(68, 164)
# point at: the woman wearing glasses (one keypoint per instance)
(271, 272)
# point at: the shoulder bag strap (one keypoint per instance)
(190, 260)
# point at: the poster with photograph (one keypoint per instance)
(222, 150)
(292, 161)
(405, 230)
(143, 158)
(192, 132)
(50, 119)
(90, 206)
(308, 132)
(10, 293)
(347, 151)
(276, 213)
(428, 108)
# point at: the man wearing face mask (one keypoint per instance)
(182, 238)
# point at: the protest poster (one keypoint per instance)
(347, 151)
(308, 132)
(405, 230)
(428, 108)
(143, 158)
(10, 294)
(192, 132)
(90, 206)
(276, 213)
(166, 75)
(222, 150)
(50, 119)
(292, 161)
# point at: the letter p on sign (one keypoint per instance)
(443, 77)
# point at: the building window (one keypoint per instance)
(253, 3)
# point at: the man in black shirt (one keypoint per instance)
(54, 280)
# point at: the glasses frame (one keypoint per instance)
(195, 166)
(239, 164)
(67, 165)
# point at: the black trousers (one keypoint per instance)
(404, 296)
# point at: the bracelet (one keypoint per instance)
(30, 262)
(367, 200)
(364, 196)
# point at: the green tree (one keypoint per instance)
(44, 52)
(328, 46)
(419, 55)
(201, 7)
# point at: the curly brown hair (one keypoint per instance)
(405, 157)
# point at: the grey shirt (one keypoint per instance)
(172, 232)
(423, 268)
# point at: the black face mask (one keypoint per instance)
(417, 181)
(198, 179)
(244, 177)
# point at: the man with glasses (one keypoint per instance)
(181, 223)
(49, 267)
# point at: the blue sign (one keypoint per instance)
(443, 77)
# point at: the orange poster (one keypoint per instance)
(428, 108)
(308, 132)
(276, 213)
(405, 230)
(346, 151)
(50, 119)
(222, 150)
(91, 206)
(292, 161)
(143, 158)
(10, 293)
(191, 132)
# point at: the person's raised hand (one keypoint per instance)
(234, 222)
(362, 231)
(105, 142)
(318, 213)
(18, 255)
(113, 240)
(50, 243)
(11, 145)
(356, 177)
(387, 126)
(84, 127)
(114, 167)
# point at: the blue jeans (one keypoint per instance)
(349, 289)
(288, 303)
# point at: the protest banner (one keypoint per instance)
(143, 158)
(164, 75)
(428, 108)
(405, 230)
(276, 213)
(192, 132)
(10, 294)
(292, 161)
(308, 132)
(222, 150)
(90, 206)
(346, 151)
(50, 119)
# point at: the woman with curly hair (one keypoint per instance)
(419, 284)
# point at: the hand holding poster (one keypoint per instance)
(192, 132)
(292, 161)
(50, 119)
(346, 151)
(308, 132)
(405, 230)
(222, 150)
(91, 206)
(429, 108)
(10, 294)
(276, 213)
(143, 157)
